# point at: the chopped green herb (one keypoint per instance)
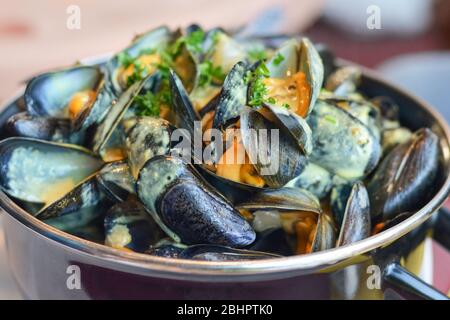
(147, 105)
(209, 72)
(259, 90)
(193, 42)
(125, 59)
(279, 58)
(330, 119)
(287, 105)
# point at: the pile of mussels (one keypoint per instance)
(90, 151)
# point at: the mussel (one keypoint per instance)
(44, 128)
(355, 223)
(405, 178)
(187, 208)
(295, 76)
(277, 156)
(146, 137)
(128, 226)
(40, 171)
(342, 144)
(64, 93)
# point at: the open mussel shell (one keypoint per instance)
(290, 123)
(356, 222)
(283, 199)
(187, 208)
(183, 111)
(94, 112)
(79, 207)
(129, 226)
(315, 179)
(324, 235)
(221, 253)
(48, 94)
(275, 155)
(299, 57)
(153, 40)
(40, 171)
(405, 179)
(343, 145)
(43, 128)
(116, 181)
(105, 131)
(232, 98)
(146, 137)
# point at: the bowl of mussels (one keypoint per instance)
(199, 164)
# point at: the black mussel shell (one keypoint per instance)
(187, 207)
(405, 179)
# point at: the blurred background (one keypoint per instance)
(408, 41)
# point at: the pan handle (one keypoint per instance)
(399, 283)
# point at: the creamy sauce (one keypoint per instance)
(118, 237)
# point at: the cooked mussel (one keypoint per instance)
(145, 51)
(146, 137)
(355, 223)
(232, 98)
(64, 93)
(295, 76)
(106, 137)
(187, 208)
(276, 156)
(128, 226)
(343, 145)
(50, 129)
(405, 178)
(40, 171)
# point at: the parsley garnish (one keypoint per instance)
(208, 72)
(193, 41)
(287, 105)
(125, 59)
(279, 58)
(149, 104)
(259, 89)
